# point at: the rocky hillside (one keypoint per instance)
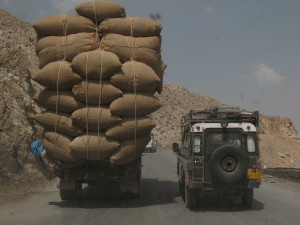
(17, 63)
(280, 142)
(279, 146)
(177, 101)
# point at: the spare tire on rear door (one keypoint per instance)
(228, 164)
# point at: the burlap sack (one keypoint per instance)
(100, 10)
(57, 74)
(130, 150)
(58, 146)
(126, 50)
(93, 147)
(60, 122)
(143, 104)
(127, 42)
(160, 72)
(63, 24)
(131, 26)
(130, 128)
(64, 101)
(135, 76)
(67, 41)
(57, 48)
(97, 64)
(95, 93)
(94, 119)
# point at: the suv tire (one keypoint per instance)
(191, 198)
(247, 197)
(181, 189)
(228, 164)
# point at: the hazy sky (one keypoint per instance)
(241, 52)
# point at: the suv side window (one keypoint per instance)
(197, 143)
(252, 146)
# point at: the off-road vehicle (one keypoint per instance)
(152, 145)
(219, 153)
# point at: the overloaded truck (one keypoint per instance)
(219, 154)
(100, 71)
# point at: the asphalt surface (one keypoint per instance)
(160, 204)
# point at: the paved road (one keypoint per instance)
(160, 204)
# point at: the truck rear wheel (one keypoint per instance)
(68, 194)
(136, 195)
(191, 198)
(68, 191)
(247, 197)
(131, 187)
(131, 195)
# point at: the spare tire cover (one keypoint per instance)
(228, 164)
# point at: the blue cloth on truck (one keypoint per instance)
(37, 147)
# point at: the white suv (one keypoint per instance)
(152, 145)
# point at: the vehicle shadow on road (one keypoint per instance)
(226, 204)
(153, 192)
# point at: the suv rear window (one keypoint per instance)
(218, 138)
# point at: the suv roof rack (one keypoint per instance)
(218, 114)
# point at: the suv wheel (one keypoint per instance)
(181, 189)
(247, 197)
(228, 164)
(191, 198)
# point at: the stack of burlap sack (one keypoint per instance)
(100, 71)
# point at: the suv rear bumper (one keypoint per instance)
(208, 186)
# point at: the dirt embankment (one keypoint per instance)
(17, 63)
(279, 142)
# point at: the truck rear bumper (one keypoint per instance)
(96, 172)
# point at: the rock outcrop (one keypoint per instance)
(177, 101)
(17, 63)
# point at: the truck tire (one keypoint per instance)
(228, 164)
(71, 194)
(137, 195)
(68, 194)
(131, 195)
(247, 197)
(191, 198)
